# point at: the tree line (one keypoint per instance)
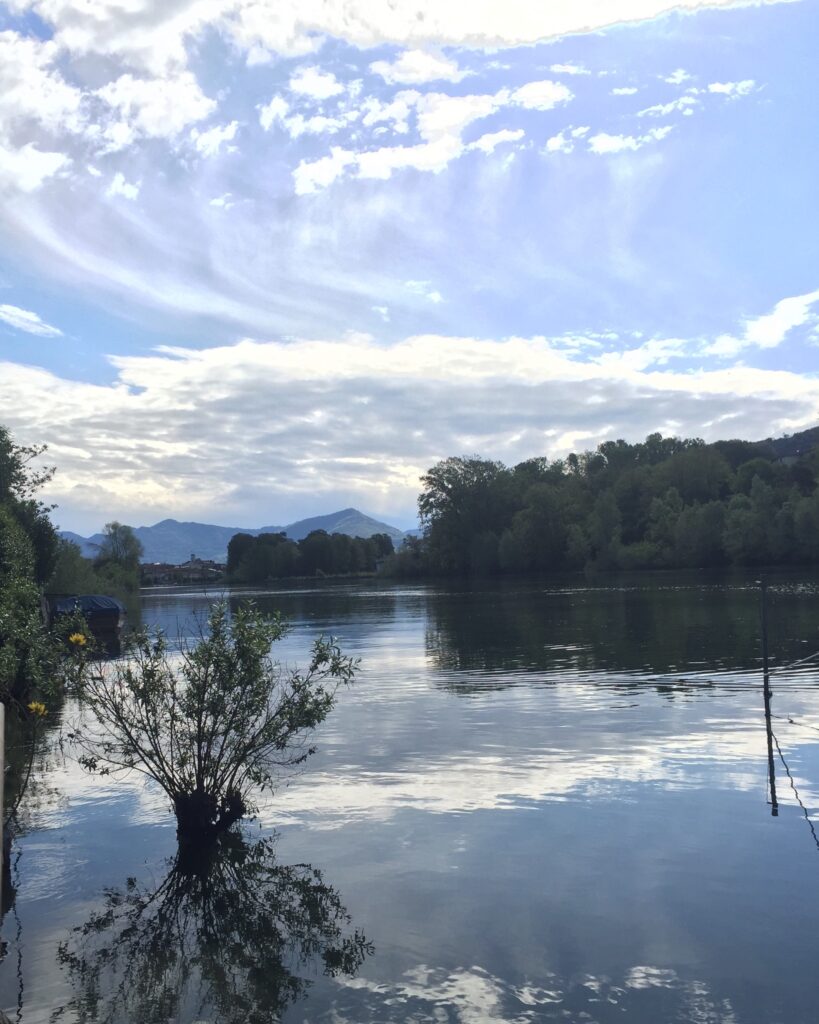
(256, 559)
(664, 502)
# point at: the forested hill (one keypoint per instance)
(663, 502)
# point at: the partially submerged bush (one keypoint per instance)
(212, 723)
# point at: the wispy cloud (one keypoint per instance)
(771, 329)
(26, 320)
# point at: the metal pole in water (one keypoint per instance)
(766, 692)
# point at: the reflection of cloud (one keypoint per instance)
(475, 996)
(581, 762)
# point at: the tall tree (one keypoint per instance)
(121, 546)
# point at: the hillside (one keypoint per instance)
(174, 542)
(795, 444)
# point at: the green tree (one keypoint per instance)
(463, 497)
(120, 546)
(238, 547)
(73, 574)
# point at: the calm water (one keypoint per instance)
(537, 803)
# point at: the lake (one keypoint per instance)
(541, 800)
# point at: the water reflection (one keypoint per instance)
(642, 994)
(669, 625)
(230, 939)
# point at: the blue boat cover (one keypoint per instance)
(89, 604)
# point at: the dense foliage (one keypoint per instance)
(666, 502)
(114, 570)
(28, 545)
(273, 556)
(212, 723)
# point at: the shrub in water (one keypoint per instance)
(212, 723)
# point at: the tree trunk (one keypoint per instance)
(201, 816)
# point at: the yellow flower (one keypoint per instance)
(80, 639)
(37, 708)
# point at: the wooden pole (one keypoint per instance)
(766, 693)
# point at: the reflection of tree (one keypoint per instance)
(673, 623)
(227, 939)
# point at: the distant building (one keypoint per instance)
(195, 570)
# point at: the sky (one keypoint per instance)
(261, 260)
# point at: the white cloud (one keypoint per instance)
(414, 67)
(155, 36)
(565, 140)
(32, 90)
(209, 142)
(769, 330)
(487, 143)
(678, 77)
(442, 116)
(733, 88)
(158, 107)
(603, 143)
(441, 121)
(312, 175)
(569, 69)
(425, 290)
(318, 124)
(685, 104)
(433, 157)
(25, 320)
(274, 111)
(383, 312)
(271, 26)
(541, 95)
(317, 84)
(182, 458)
(28, 167)
(223, 202)
(396, 112)
(120, 187)
(624, 90)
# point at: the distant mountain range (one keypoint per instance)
(174, 542)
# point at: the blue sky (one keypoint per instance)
(262, 260)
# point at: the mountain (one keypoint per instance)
(349, 521)
(175, 542)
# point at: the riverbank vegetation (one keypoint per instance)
(665, 502)
(114, 570)
(274, 556)
(28, 547)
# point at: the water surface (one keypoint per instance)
(540, 801)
